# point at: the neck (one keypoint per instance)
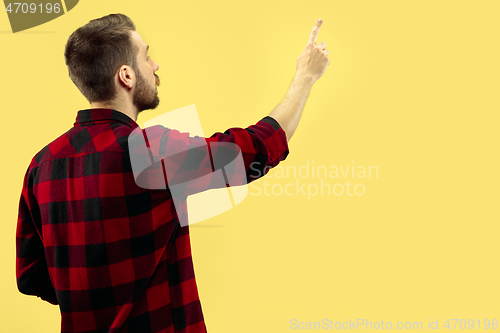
(128, 109)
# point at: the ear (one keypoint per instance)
(126, 76)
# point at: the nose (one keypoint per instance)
(156, 67)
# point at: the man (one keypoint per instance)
(110, 253)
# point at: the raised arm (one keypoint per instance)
(189, 162)
(311, 65)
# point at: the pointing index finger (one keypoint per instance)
(314, 32)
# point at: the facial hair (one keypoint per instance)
(145, 98)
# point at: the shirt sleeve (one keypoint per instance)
(192, 164)
(262, 146)
(31, 267)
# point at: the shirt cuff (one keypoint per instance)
(272, 122)
(274, 139)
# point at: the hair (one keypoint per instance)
(95, 52)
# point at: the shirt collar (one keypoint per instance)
(102, 114)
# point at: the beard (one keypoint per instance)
(144, 97)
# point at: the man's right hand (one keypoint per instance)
(314, 59)
(311, 65)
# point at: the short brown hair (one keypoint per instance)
(95, 51)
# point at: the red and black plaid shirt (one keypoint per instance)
(109, 252)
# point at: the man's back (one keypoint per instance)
(109, 252)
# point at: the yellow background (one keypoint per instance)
(412, 88)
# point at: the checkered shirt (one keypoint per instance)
(110, 253)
